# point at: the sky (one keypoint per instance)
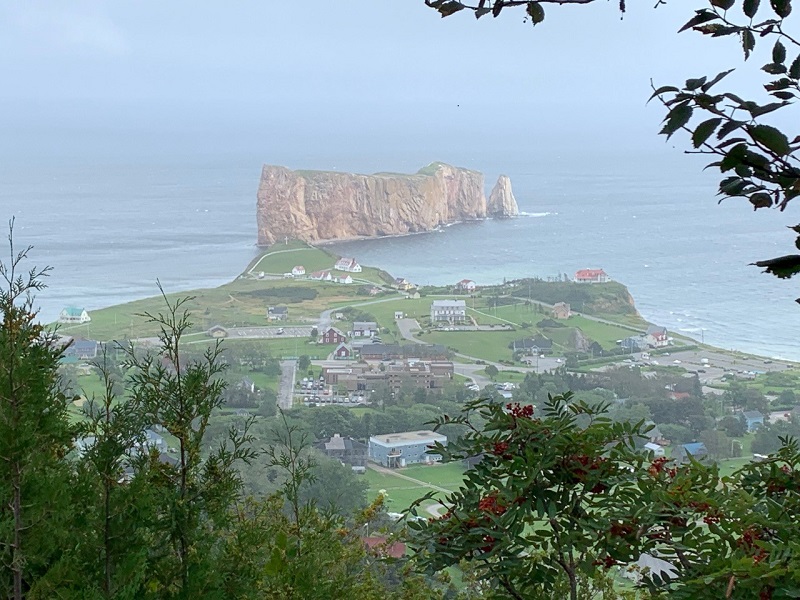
(354, 71)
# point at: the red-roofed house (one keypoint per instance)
(322, 276)
(466, 285)
(332, 336)
(591, 276)
(381, 546)
(347, 264)
(298, 270)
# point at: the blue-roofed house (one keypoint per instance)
(753, 419)
(696, 450)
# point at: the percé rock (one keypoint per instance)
(502, 203)
(323, 205)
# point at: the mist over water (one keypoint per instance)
(112, 220)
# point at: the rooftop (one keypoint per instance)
(408, 437)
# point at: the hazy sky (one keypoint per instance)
(320, 69)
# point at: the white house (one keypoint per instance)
(346, 279)
(591, 276)
(656, 337)
(298, 270)
(365, 329)
(466, 285)
(654, 448)
(347, 264)
(322, 276)
(71, 314)
(450, 311)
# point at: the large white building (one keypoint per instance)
(347, 264)
(401, 449)
(71, 314)
(449, 311)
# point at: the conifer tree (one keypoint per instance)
(35, 434)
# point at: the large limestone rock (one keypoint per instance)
(502, 203)
(323, 205)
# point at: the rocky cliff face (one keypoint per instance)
(501, 201)
(323, 205)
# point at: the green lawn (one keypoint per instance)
(401, 493)
(242, 302)
(605, 335)
(486, 345)
(281, 259)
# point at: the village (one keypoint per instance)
(346, 336)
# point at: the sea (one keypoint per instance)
(113, 224)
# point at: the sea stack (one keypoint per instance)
(502, 203)
(316, 206)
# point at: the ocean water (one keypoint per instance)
(110, 227)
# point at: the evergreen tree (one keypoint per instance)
(196, 497)
(35, 435)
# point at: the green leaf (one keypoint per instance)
(480, 11)
(782, 8)
(771, 138)
(794, 70)
(783, 266)
(716, 79)
(760, 200)
(784, 95)
(728, 127)
(449, 8)
(774, 68)
(750, 7)
(535, 12)
(693, 84)
(778, 52)
(748, 42)
(701, 16)
(723, 4)
(663, 90)
(757, 110)
(677, 118)
(704, 130)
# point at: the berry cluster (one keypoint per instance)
(658, 466)
(520, 412)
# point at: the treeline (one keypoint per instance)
(89, 508)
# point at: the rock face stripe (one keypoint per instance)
(323, 205)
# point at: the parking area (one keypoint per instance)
(303, 331)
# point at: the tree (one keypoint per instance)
(529, 513)
(112, 554)
(35, 434)
(335, 488)
(491, 371)
(304, 363)
(194, 497)
(741, 136)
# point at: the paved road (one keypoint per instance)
(286, 384)
(325, 320)
(290, 331)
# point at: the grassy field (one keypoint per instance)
(486, 345)
(242, 302)
(401, 493)
(605, 335)
(281, 259)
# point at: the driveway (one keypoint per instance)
(286, 384)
